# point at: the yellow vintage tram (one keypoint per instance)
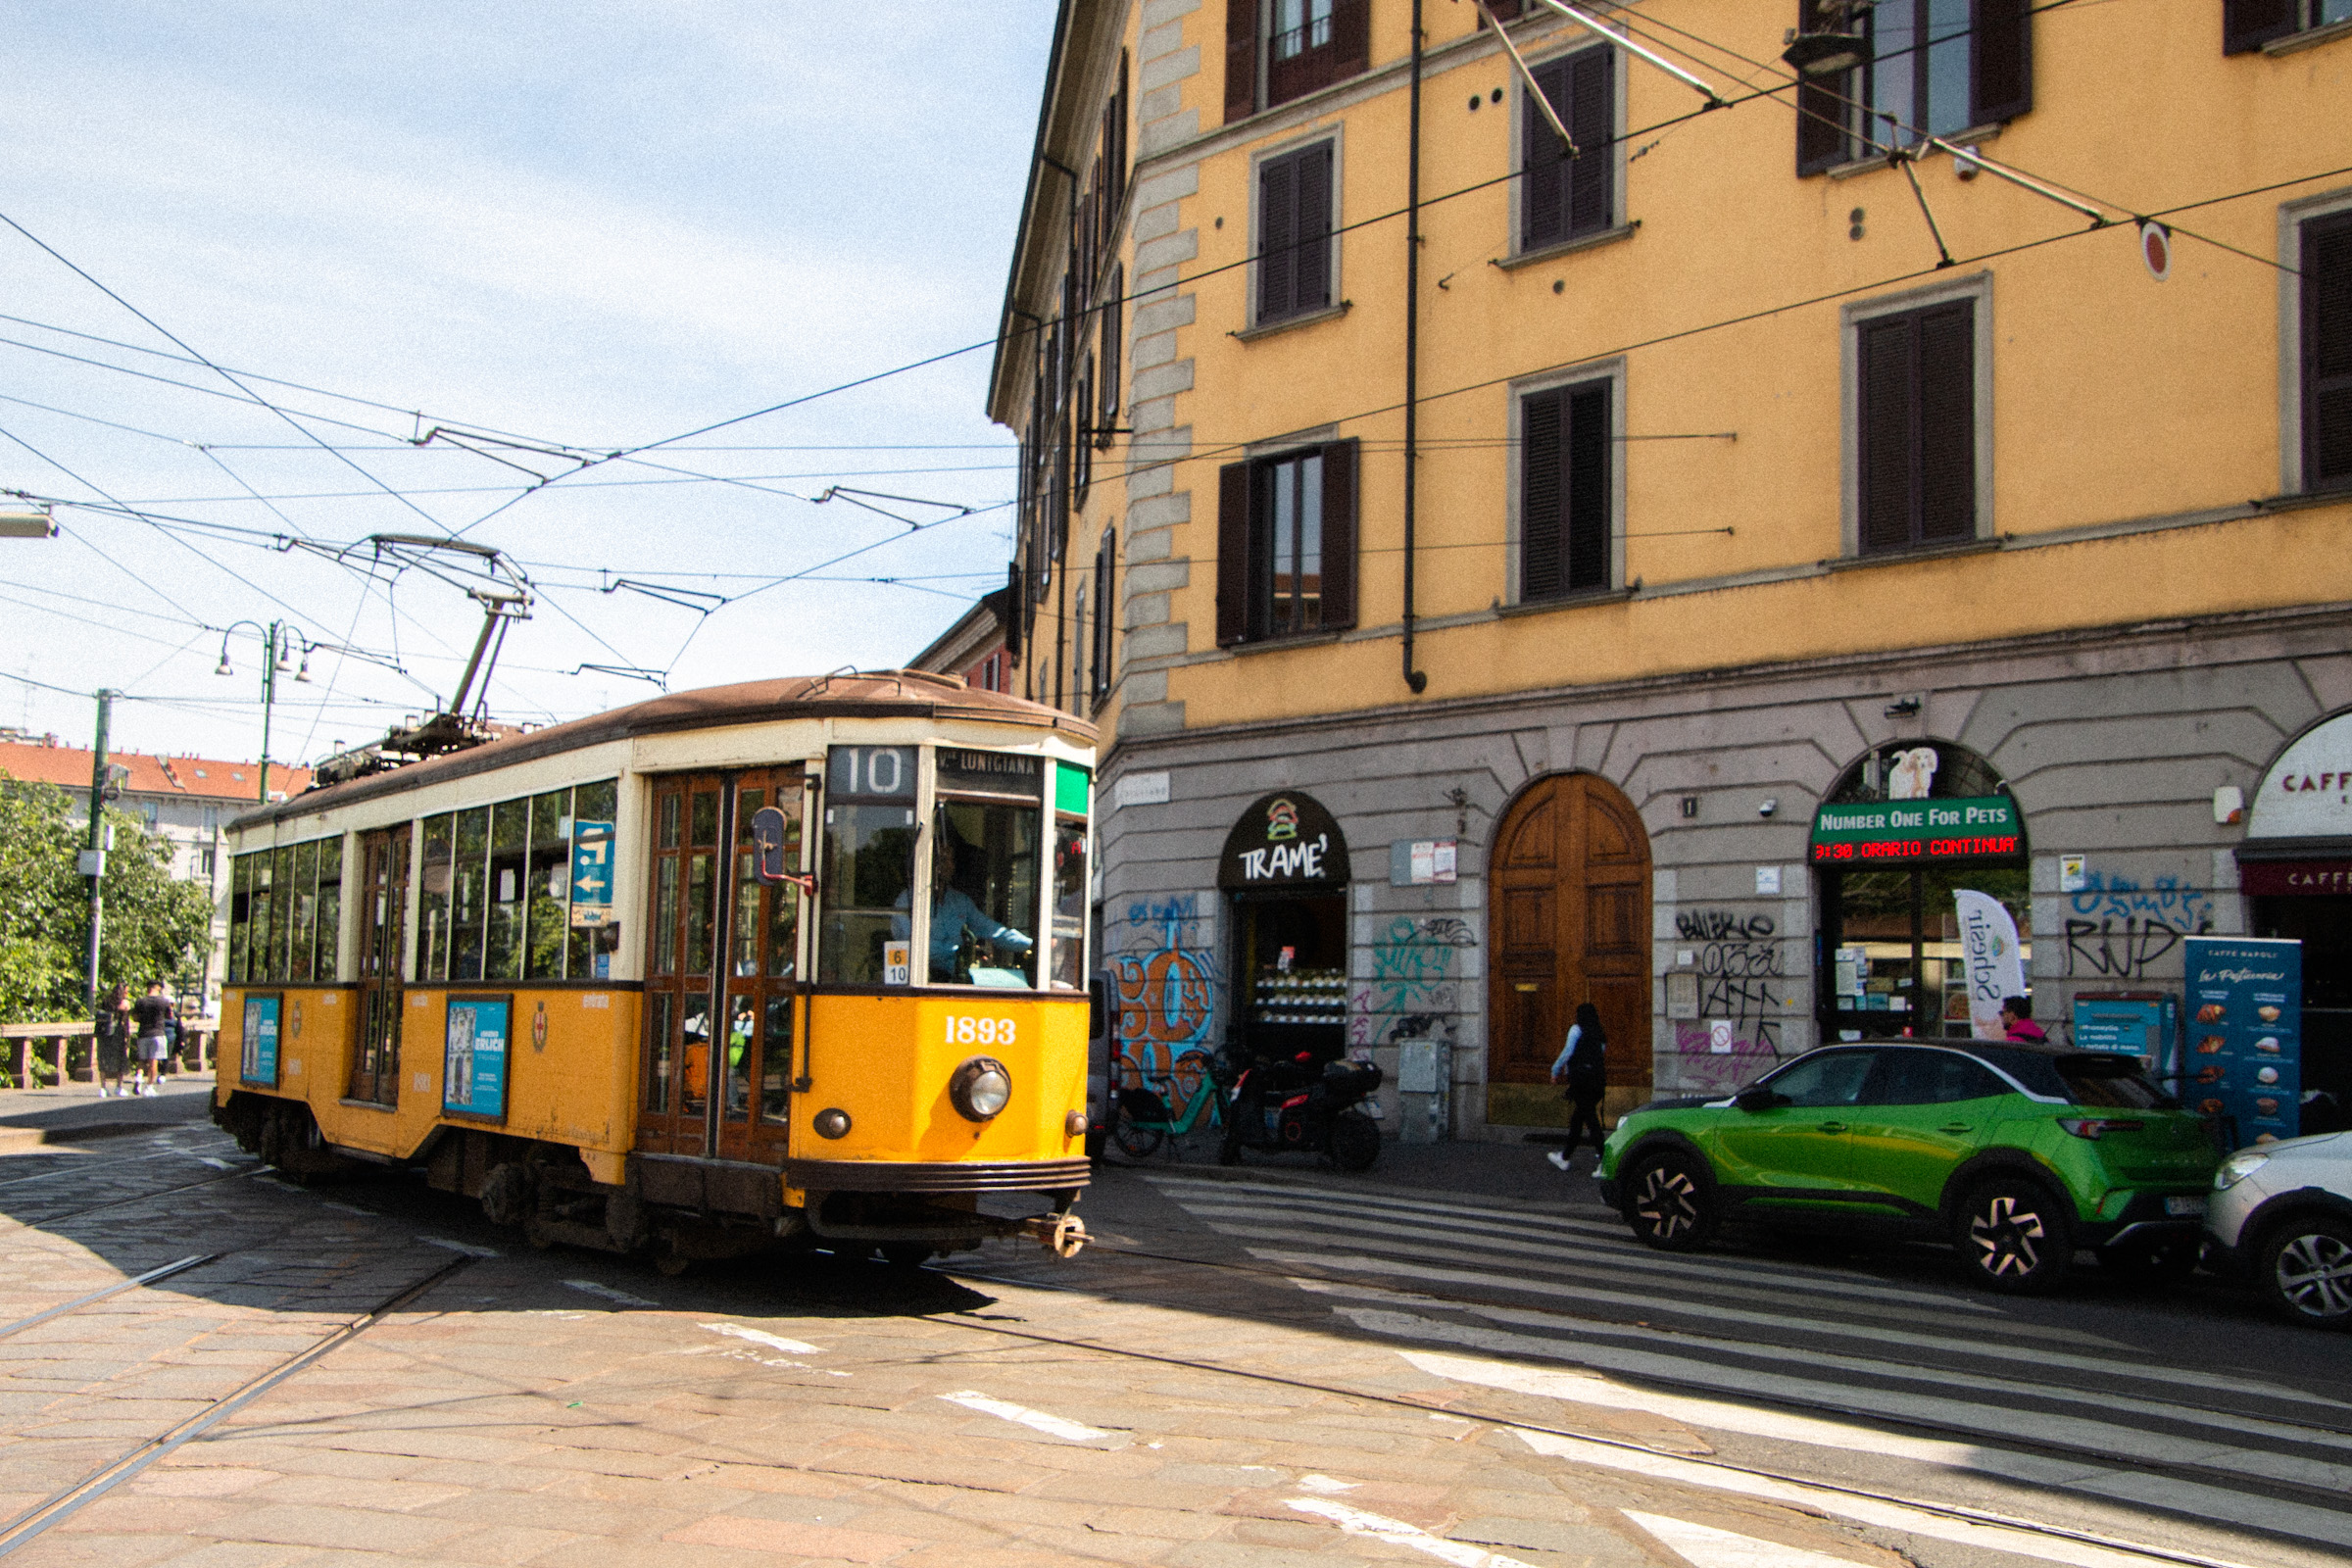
(800, 959)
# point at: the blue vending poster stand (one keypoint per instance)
(2134, 1023)
(258, 1065)
(473, 1056)
(2246, 1034)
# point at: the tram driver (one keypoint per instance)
(955, 917)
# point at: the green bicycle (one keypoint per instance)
(1139, 1119)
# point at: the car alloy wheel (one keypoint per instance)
(2016, 1237)
(1668, 1203)
(2308, 1270)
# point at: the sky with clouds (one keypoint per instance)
(578, 228)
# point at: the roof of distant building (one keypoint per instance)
(198, 778)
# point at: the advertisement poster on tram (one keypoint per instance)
(473, 1061)
(258, 1065)
(2246, 1034)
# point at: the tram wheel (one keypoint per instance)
(507, 1197)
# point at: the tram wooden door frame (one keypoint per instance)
(372, 1076)
(665, 1123)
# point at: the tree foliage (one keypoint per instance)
(155, 928)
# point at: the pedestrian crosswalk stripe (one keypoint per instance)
(1706, 1547)
(1053, 1426)
(2185, 1377)
(1560, 1347)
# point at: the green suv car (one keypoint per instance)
(2017, 1153)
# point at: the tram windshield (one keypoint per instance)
(869, 872)
(985, 850)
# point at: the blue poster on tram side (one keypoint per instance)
(474, 1060)
(2246, 1034)
(258, 1065)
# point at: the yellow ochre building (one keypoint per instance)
(1644, 504)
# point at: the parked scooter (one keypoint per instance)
(1291, 1106)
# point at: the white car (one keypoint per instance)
(2281, 1212)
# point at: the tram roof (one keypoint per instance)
(864, 694)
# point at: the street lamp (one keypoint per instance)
(279, 643)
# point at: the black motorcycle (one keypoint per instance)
(1293, 1106)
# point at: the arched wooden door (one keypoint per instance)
(1571, 882)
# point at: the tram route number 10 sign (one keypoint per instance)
(473, 1056)
(1972, 828)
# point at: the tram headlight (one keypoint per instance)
(980, 1088)
(832, 1123)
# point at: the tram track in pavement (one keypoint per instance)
(2225, 1448)
(62, 1504)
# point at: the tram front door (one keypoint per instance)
(722, 969)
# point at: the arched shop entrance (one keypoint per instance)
(1905, 831)
(2295, 869)
(1284, 868)
(1571, 880)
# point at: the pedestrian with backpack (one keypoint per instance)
(1584, 1062)
(152, 1016)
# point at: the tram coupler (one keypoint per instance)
(1062, 1233)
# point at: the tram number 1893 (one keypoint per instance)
(979, 1031)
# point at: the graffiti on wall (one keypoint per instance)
(1415, 993)
(1741, 978)
(2116, 929)
(1165, 963)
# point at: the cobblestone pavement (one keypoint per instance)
(566, 1407)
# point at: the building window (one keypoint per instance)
(1106, 561)
(1916, 427)
(1565, 196)
(2326, 343)
(1294, 234)
(1936, 68)
(1567, 490)
(2248, 25)
(1114, 319)
(1286, 544)
(1278, 50)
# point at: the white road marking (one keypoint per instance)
(340, 1209)
(619, 1298)
(222, 1164)
(467, 1247)
(2009, 1537)
(1329, 1486)
(736, 1331)
(1053, 1426)
(1978, 1347)
(1397, 1533)
(2206, 1501)
(1704, 1546)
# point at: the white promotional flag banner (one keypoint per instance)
(1989, 953)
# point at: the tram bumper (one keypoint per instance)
(888, 1201)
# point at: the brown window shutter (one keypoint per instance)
(1882, 482)
(1107, 560)
(1339, 535)
(1017, 603)
(1591, 118)
(1351, 38)
(1543, 421)
(1310, 270)
(2248, 25)
(1821, 111)
(1114, 348)
(1241, 60)
(2001, 64)
(1948, 423)
(1233, 554)
(2327, 266)
(1591, 439)
(1277, 238)
(1544, 197)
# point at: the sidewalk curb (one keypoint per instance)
(16, 1138)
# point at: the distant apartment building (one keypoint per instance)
(977, 646)
(187, 802)
(1553, 505)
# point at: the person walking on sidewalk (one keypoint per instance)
(2017, 1017)
(113, 1042)
(153, 1012)
(1584, 1061)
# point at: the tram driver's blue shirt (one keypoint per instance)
(953, 913)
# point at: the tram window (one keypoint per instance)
(669, 821)
(330, 909)
(281, 910)
(433, 898)
(664, 1062)
(984, 857)
(240, 915)
(694, 1057)
(1070, 902)
(703, 829)
(869, 866)
(743, 958)
(303, 896)
(775, 1059)
(702, 886)
(466, 894)
(665, 913)
(509, 848)
(743, 1024)
(548, 886)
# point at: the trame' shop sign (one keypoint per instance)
(1982, 827)
(1284, 842)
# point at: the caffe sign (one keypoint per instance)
(1284, 842)
(2307, 792)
